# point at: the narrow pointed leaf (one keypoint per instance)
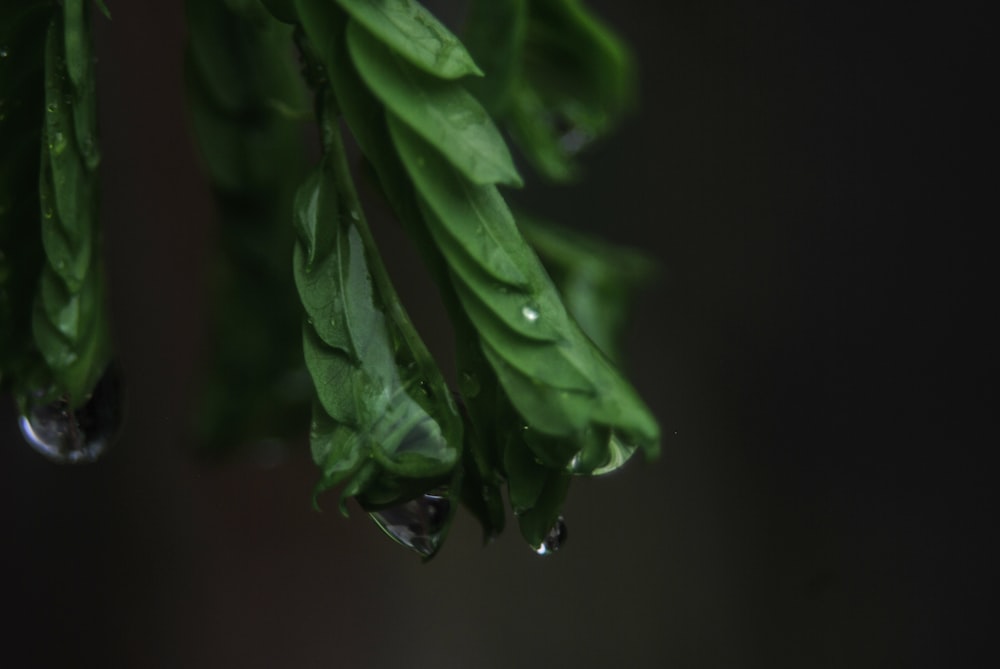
(243, 95)
(372, 376)
(415, 34)
(442, 112)
(559, 389)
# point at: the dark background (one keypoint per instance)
(811, 180)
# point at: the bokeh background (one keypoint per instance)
(806, 174)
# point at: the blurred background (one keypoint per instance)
(815, 349)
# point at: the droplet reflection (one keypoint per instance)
(554, 539)
(76, 436)
(417, 524)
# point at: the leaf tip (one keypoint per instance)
(104, 9)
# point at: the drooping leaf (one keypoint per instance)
(540, 401)
(442, 112)
(495, 34)
(567, 385)
(597, 280)
(372, 374)
(573, 79)
(68, 319)
(366, 118)
(242, 82)
(538, 521)
(415, 34)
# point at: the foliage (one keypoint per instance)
(54, 333)
(536, 309)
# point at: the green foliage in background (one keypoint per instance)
(307, 314)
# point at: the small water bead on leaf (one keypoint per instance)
(76, 436)
(417, 524)
(57, 146)
(574, 141)
(554, 539)
(530, 313)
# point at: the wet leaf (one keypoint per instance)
(415, 34)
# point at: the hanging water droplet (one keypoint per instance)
(530, 313)
(469, 384)
(417, 524)
(76, 436)
(554, 539)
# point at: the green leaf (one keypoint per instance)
(415, 34)
(442, 112)
(564, 79)
(597, 280)
(372, 374)
(68, 320)
(495, 34)
(562, 385)
(366, 118)
(245, 98)
(76, 37)
(103, 8)
(537, 522)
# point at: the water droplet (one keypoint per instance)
(469, 384)
(530, 313)
(52, 107)
(574, 141)
(417, 524)
(58, 144)
(355, 215)
(554, 539)
(4, 52)
(48, 212)
(76, 436)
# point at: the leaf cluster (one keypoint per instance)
(50, 242)
(540, 400)
(536, 310)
